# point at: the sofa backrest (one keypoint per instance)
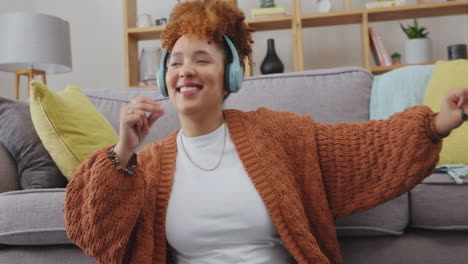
(110, 102)
(329, 96)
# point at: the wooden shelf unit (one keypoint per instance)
(296, 22)
(147, 33)
(264, 24)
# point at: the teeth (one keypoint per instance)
(188, 89)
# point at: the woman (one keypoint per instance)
(233, 186)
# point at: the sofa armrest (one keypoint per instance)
(9, 180)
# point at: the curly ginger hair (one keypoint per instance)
(210, 19)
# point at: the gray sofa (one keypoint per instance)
(427, 225)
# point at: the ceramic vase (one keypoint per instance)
(456, 52)
(418, 51)
(271, 63)
(149, 65)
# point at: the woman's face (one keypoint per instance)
(195, 76)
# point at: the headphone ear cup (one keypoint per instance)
(161, 74)
(227, 77)
(236, 76)
(234, 73)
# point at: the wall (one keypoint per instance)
(96, 29)
(97, 39)
(96, 32)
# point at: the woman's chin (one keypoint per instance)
(188, 109)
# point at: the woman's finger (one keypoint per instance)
(155, 116)
(461, 100)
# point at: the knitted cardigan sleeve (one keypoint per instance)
(102, 206)
(366, 164)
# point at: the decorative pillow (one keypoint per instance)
(446, 75)
(69, 125)
(36, 169)
(397, 90)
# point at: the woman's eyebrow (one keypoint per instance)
(197, 52)
(201, 52)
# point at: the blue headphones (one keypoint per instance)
(233, 73)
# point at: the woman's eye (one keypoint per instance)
(202, 61)
(174, 64)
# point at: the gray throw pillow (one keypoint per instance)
(36, 168)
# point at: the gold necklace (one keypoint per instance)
(193, 162)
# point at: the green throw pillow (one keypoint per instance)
(69, 125)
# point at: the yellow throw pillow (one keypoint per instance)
(446, 75)
(69, 125)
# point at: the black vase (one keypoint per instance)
(271, 63)
(457, 51)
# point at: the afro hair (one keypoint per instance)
(210, 19)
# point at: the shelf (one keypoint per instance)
(383, 69)
(331, 19)
(296, 22)
(270, 23)
(146, 33)
(384, 14)
(417, 11)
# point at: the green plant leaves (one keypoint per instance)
(415, 31)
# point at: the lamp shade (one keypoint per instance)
(34, 41)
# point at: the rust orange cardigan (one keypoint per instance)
(307, 174)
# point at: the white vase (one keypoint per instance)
(149, 65)
(418, 51)
(324, 6)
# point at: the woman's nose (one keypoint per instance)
(186, 70)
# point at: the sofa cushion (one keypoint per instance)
(32, 217)
(390, 218)
(48, 254)
(69, 125)
(9, 180)
(329, 96)
(439, 203)
(36, 169)
(415, 247)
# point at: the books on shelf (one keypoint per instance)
(388, 3)
(267, 12)
(378, 50)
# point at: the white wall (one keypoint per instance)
(98, 53)
(96, 32)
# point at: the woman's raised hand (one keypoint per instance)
(452, 111)
(136, 119)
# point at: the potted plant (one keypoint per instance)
(417, 46)
(396, 58)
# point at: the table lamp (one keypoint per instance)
(34, 44)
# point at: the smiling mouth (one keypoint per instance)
(189, 89)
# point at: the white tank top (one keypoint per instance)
(218, 216)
